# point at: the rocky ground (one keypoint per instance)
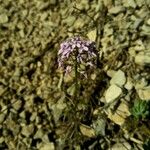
(36, 106)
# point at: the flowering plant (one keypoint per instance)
(79, 56)
(77, 52)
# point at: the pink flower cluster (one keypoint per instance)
(77, 49)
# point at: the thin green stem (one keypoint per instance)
(76, 78)
(76, 96)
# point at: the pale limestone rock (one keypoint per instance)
(139, 45)
(22, 115)
(111, 73)
(129, 84)
(53, 2)
(2, 139)
(107, 3)
(146, 29)
(20, 25)
(132, 52)
(15, 128)
(69, 20)
(93, 76)
(141, 83)
(27, 130)
(42, 6)
(2, 117)
(87, 131)
(47, 146)
(139, 48)
(142, 12)
(137, 23)
(2, 90)
(45, 138)
(22, 34)
(95, 112)
(118, 78)
(148, 21)
(92, 35)
(129, 3)
(17, 104)
(121, 113)
(33, 116)
(108, 30)
(83, 5)
(79, 23)
(121, 146)
(140, 2)
(112, 93)
(141, 59)
(24, 13)
(116, 10)
(144, 93)
(3, 18)
(58, 108)
(71, 90)
(39, 134)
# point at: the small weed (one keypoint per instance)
(140, 109)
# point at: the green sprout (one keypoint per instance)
(140, 109)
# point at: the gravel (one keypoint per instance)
(36, 106)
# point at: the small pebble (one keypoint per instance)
(3, 18)
(112, 93)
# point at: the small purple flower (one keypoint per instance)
(76, 48)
